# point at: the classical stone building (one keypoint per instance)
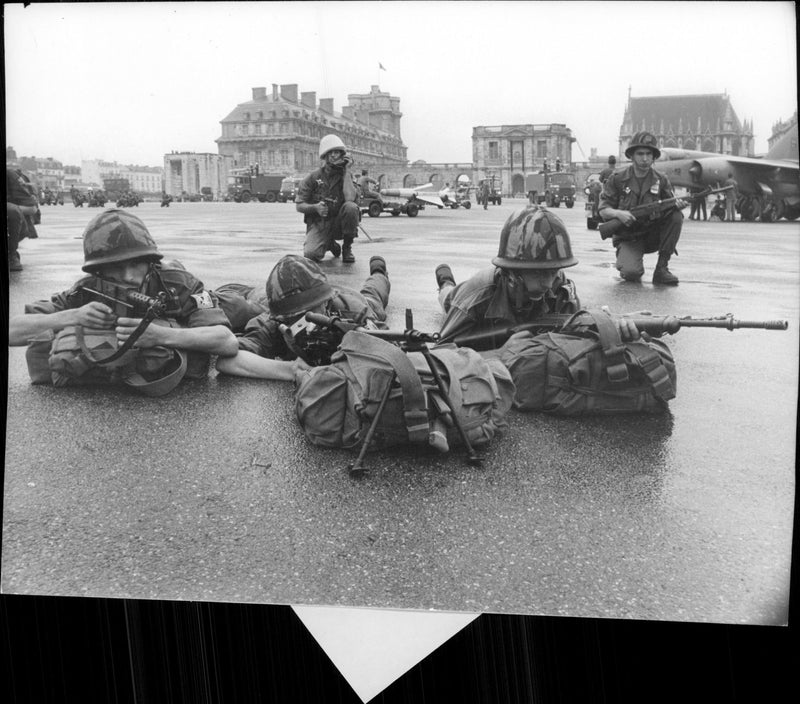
(188, 172)
(705, 122)
(145, 180)
(280, 132)
(512, 151)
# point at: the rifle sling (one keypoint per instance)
(122, 349)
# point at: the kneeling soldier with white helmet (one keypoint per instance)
(327, 198)
(271, 346)
(124, 277)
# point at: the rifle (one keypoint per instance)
(126, 302)
(642, 212)
(653, 325)
(315, 337)
(409, 340)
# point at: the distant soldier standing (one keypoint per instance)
(327, 200)
(612, 165)
(731, 197)
(640, 184)
(484, 194)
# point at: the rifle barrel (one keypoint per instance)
(733, 324)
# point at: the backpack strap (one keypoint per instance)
(653, 367)
(415, 411)
(610, 341)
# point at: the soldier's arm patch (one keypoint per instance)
(203, 299)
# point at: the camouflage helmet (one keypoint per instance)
(296, 285)
(116, 236)
(534, 238)
(643, 139)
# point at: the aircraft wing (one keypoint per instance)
(775, 178)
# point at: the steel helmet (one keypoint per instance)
(116, 236)
(328, 143)
(296, 285)
(534, 238)
(643, 139)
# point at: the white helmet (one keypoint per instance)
(328, 143)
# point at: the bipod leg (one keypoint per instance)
(472, 456)
(361, 227)
(356, 469)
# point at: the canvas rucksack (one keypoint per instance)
(335, 403)
(587, 368)
(75, 355)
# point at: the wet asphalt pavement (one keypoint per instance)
(212, 493)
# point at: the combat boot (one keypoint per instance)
(377, 265)
(347, 252)
(335, 248)
(14, 263)
(662, 275)
(444, 275)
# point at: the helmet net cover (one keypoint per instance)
(534, 238)
(117, 236)
(296, 285)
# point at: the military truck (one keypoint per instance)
(249, 185)
(551, 188)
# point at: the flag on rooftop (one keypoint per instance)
(380, 66)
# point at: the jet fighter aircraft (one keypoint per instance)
(769, 188)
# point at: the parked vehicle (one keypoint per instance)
(375, 205)
(551, 188)
(288, 189)
(263, 187)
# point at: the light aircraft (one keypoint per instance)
(419, 193)
(769, 188)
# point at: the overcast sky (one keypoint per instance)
(129, 82)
